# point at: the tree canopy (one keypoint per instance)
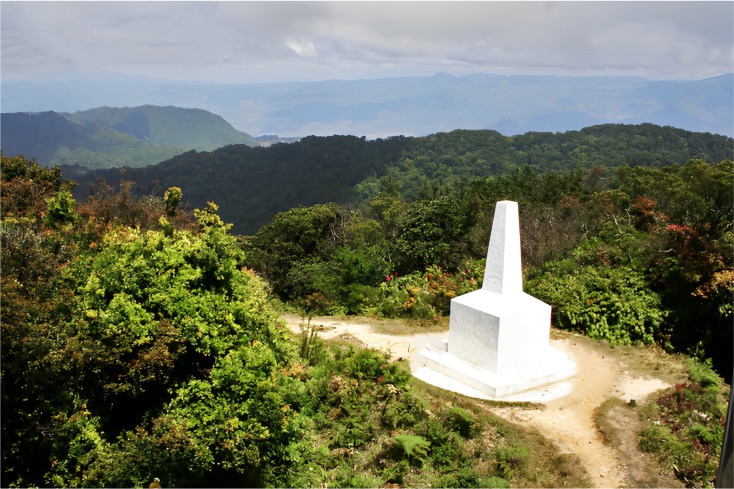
(252, 185)
(130, 353)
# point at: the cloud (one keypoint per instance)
(272, 41)
(302, 48)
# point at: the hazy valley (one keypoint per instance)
(410, 106)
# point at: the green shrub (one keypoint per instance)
(509, 459)
(346, 477)
(354, 428)
(460, 421)
(702, 374)
(497, 482)
(659, 439)
(61, 210)
(444, 444)
(404, 411)
(613, 303)
(469, 477)
(361, 299)
(395, 473)
(689, 430)
(464, 477)
(703, 434)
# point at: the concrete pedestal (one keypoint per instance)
(498, 341)
(498, 346)
(498, 333)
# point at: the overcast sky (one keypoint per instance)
(289, 41)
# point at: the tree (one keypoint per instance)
(117, 354)
(171, 200)
(34, 303)
(429, 234)
(297, 236)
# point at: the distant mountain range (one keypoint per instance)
(108, 137)
(411, 106)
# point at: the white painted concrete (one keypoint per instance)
(496, 332)
(498, 342)
(504, 276)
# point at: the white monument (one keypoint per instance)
(498, 340)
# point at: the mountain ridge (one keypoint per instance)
(106, 137)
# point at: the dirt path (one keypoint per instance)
(569, 420)
(399, 346)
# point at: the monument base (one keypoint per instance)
(547, 367)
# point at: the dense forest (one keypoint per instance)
(141, 338)
(251, 185)
(632, 255)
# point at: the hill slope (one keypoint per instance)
(251, 185)
(107, 137)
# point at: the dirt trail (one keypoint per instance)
(569, 420)
(399, 346)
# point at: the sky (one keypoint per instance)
(274, 41)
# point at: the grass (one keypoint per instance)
(683, 427)
(520, 455)
(412, 434)
(673, 438)
(610, 430)
(620, 424)
(467, 446)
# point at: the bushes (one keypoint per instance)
(369, 425)
(460, 421)
(413, 447)
(158, 354)
(593, 293)
(511, 459)
(468, 477)
(403, 411)
(659, 439)
(427, 295)
(445, 445)
(687, 426)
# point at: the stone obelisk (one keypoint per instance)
(503, 274)
(498, 335)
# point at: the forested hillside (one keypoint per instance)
(251, 185)
(140, 341)
(136, 345)
(107, 136)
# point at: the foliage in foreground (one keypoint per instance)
(369, 424)
(131, 353)
(686, 426)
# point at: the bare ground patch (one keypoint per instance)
(620, 424)
(593, 424)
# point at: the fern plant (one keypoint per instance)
(415, 447)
